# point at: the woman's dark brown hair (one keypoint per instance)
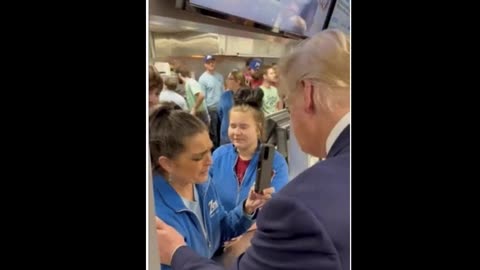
(170, 127)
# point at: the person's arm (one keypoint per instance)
(279, 105)
(236, 221)
(198, 102)
(202, 84)
(288, 237)
(280, 169)
(239, 219)
(220, 109)
(183, 103)
(199, 96)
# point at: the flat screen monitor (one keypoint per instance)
(299, 17)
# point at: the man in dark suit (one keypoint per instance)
(307, 224)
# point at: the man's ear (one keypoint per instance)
(307, 91)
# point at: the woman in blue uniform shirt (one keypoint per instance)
(184, 197)
(234, 165)
(235, 81)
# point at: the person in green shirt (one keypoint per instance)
(194, 95)
(271, 100)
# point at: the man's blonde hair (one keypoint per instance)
(323, 59)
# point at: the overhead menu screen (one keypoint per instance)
(300, 17)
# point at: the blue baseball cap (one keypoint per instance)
(208, 57)
(255, 64)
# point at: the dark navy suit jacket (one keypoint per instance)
(304, 226)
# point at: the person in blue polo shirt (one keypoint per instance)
(212, 85)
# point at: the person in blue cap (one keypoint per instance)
(252, 78)
(213, 86)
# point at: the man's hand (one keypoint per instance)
(169, 240)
